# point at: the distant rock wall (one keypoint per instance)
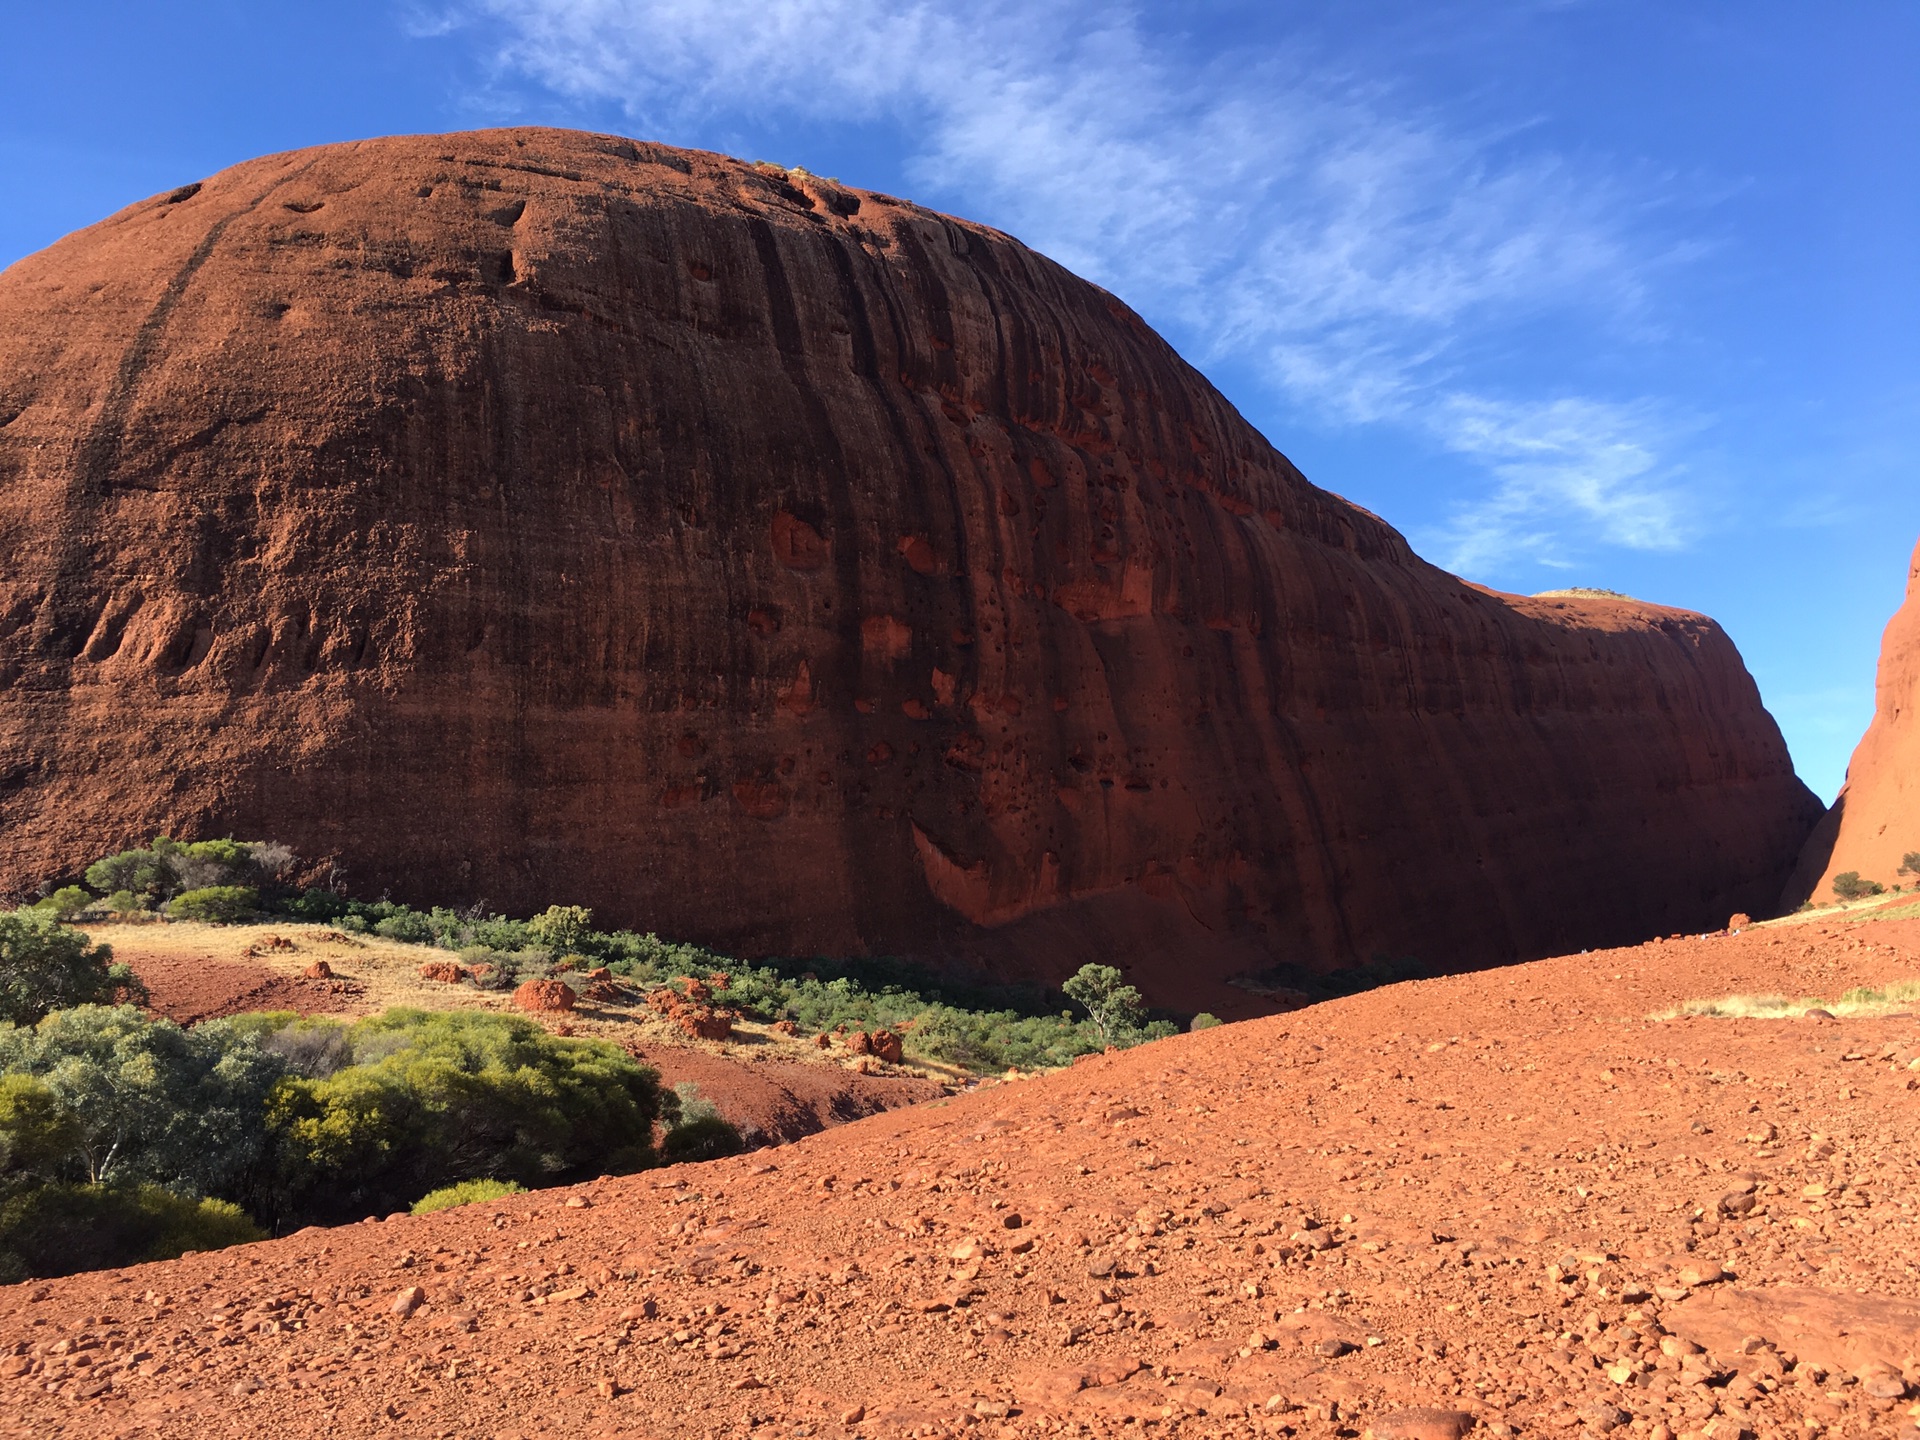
(1875, 822)
(533, 516)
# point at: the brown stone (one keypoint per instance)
(443, 357)
(447, 972)
(704, 1022)
(885, 1045)
(544, 995)
(318, 970)
(1422, 1423)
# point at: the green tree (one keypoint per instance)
(152, 1102)
(1910, 863)
(1114, 1006)
(45, 966)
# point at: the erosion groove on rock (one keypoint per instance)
(543, 516)
(1875, 822)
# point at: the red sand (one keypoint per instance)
(1529, 1195)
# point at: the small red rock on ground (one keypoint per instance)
(447, 972)
(1519, 1182)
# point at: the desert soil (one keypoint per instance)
(1511, 1195)
(774, 1087)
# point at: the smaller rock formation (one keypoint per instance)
(1875, 823)
(538, 996)
(445, 972)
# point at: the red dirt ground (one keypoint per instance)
(191, 988)
(1536, 1203)
(783, 1100)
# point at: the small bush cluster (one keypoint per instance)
(1848, 885)
(467, 1192)
(105, 1113)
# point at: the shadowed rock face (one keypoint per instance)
(1875, 822)
(537, 516)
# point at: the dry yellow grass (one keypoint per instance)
(1863, 1002)
(389, 973)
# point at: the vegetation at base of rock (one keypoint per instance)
(305, 1121)
(216, 904)
(166, 868)
(45, 966)
(985, 1029)
(1848, 885)
(1203, 1021)
(467, 1192)
(1910, 863)
(62, 1228)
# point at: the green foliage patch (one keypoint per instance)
(467, 1192)
(46, 966)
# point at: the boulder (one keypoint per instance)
(544, 996)
(794, 570)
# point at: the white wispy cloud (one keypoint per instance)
(1272, 209)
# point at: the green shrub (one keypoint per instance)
(409, 926)
(1203, 1021)
(151, 1102)
(707, 1137)
(169, 867)
(65, 903)
(216, 904)
(63, 1229)
(435, 1099)
(563, 929)
(123, 902)
(44, 966)
(467, 1192)
(1848, 885)
(1910, 863)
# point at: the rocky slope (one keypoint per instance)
(1508, 1196)
(539, 516)
(1875, 822)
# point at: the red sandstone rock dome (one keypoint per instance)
(542, 516)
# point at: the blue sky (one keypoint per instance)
(1612, 293)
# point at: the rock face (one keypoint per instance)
(546, 517)
(1875, 822)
